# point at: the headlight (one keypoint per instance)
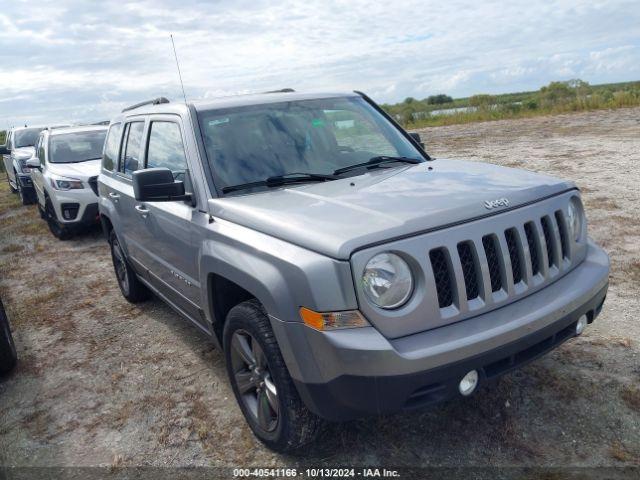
(387, 281)
(574, 219)
(62, 183)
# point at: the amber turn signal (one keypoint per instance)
(332, 320)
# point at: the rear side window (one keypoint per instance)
(112, 147)
(166, 148)
(130, 158)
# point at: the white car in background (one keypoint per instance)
(19, 147)
(64, 171)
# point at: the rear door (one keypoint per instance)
(130, 160)
(166, 245)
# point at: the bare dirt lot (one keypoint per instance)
(102, 382)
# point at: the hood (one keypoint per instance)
(80, 170)
(337, 217)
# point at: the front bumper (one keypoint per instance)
(75, 207)
(351, 373)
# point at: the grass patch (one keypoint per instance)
(555, 98)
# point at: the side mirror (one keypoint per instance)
(416, 137)
(157, 185)
(4, 150)
(33, 162)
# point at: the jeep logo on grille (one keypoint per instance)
(500, 202)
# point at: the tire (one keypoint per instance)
(269, 400)
(13, 190)
(41, 211)
(131, 287)
(8, 355)
(59, 231)
(24, 199)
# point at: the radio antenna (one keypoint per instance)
(178, 65)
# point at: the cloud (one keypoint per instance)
(72, 60)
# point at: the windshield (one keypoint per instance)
(26, 137)
(76, 147)
(249, 144)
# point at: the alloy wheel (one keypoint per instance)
(253, 380)
(119, 264)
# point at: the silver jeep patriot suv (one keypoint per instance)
(342, 270)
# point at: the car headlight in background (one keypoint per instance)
(387, 280)
(63, 183)
(574, 218)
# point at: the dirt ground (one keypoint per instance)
(102, 382)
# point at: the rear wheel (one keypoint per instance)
(59, 231)
(8, 356)
(131, 287)
(261, 382)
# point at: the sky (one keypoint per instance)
(73, 61)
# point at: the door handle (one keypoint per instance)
(142, 210)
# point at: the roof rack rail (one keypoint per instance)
(282, 90)
(155, 101)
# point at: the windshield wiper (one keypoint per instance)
(279, 180)
(375, 161)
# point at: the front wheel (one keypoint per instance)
(8, 356)
(261, 382)
(24, 198)
(131, 287)
(59, 231)
(13, 190)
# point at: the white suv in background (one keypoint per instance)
(64, 173)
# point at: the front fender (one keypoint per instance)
(282, 276)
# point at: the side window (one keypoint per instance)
(130, 156)
(166, 148)
(40, 150)
(111, 147)
(355, 133)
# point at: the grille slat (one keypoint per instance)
(549, 240)
(514, 254)
(469, 269)
(562, 228)
(529, 230)
(443, 276)
(491, 249)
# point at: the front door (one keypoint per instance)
(166, 242)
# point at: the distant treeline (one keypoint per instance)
(557, 97)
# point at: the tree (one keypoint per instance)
(439, 99)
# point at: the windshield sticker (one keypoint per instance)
(218, 121)
(317, 122)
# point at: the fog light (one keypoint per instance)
(581, 324)
(468, 383)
